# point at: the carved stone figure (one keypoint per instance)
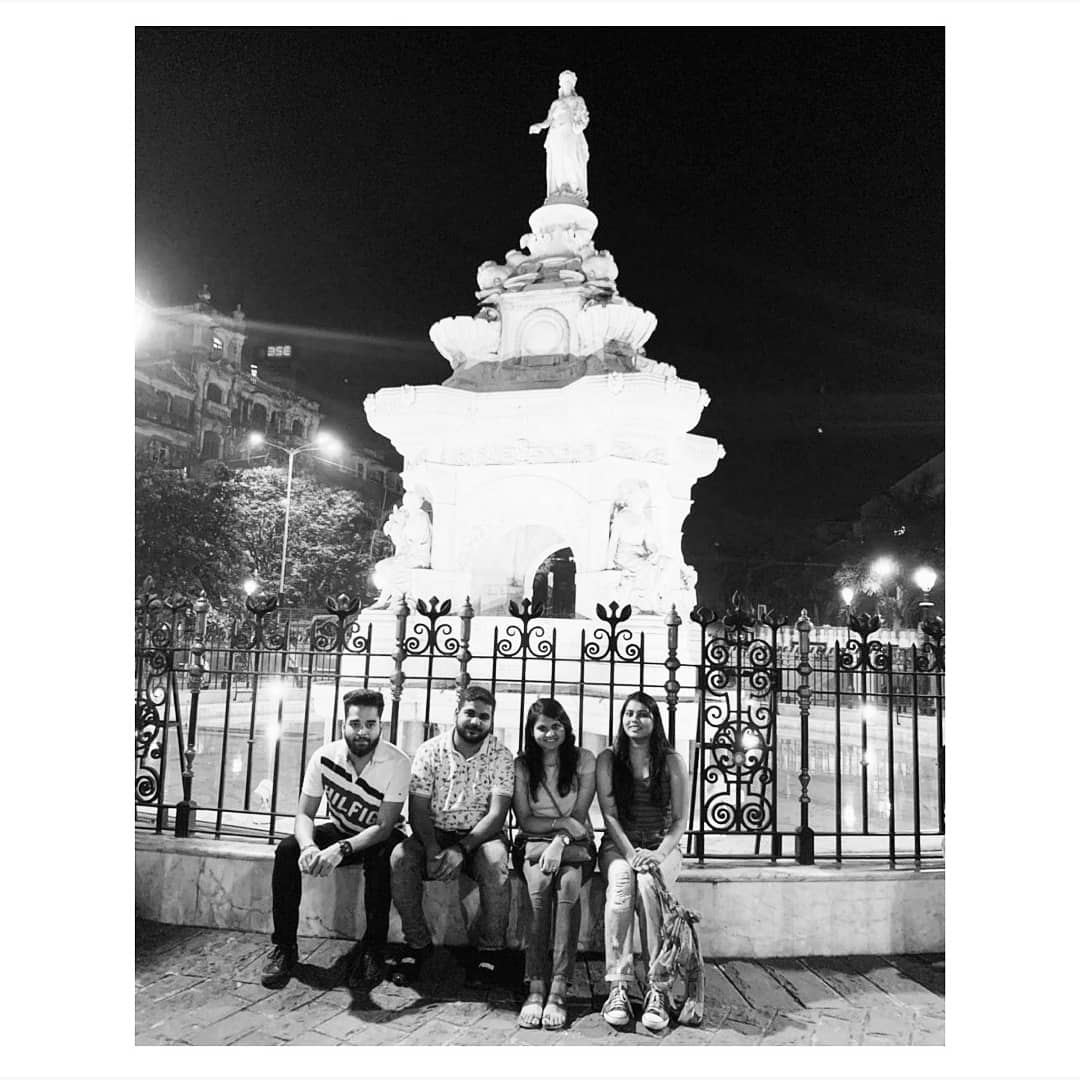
(409, 528)
(567, 150)
(650, 580)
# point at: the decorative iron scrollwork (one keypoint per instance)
(524, 640)
(931, 659)
(613, 644)
(339, 630)
(864, 655)
(738, 719)
(435, 638)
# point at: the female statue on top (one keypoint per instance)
(567, 150)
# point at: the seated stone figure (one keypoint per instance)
(409, 527)
(650, 580)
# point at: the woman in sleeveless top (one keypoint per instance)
(554, 784)
(643, 787)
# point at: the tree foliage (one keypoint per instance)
(183, 532)
(193, 534)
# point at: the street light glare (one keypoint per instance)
(925, 578)
(847, 594)
(328, 442)
(143, 319)
(884, 567)
(256, 438)
(250, 586)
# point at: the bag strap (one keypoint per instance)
(551, 796)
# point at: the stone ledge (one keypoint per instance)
(747, 910)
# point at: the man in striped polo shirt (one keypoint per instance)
(365, 782)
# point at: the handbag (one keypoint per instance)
(528, 847)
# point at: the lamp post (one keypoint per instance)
(926, 579)
(847, 594)
(323, 441)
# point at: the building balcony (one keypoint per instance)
(217, 410)
(166, 419)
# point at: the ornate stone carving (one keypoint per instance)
(649, 580)
(598, 324)
(465, 340)
(567, 150)
(409, 528)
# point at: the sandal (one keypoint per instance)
(554, 1018)
(532, 1011)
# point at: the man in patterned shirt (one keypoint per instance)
(364, 781)
(461, 788)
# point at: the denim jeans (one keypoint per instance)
(629, 892)
(486, 865)
(286, 884)
(564, 887)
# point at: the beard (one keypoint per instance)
(470, 736)
(363, 745)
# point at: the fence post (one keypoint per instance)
(673, 622)
(397, 679)
(804, 835)
(465, 656)
(185, 809)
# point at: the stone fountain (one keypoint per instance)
(554, 435)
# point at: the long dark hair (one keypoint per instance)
(622, 776)
(534, 755)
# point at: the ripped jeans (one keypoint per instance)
(629, 892)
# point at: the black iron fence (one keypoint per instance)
(797, 750)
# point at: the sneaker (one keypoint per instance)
(408, 967)
(482, 975)
(655, 1013)
(366, 969)
(616, 1010)
(279, 965)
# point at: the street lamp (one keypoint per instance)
(885, 569)
(323, 441)
(847, 594)
(926, 579)
(250, 586)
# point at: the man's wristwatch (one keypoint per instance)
(345, 848)
(564, 837)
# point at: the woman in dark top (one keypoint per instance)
(643, 789)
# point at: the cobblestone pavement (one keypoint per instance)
(201, 987)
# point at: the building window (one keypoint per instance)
(164, 402)
(258, 416)
(217, 347)
(213, 393)
(211, 446)
(298, 428)
(158, 452)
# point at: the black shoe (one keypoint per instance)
(482, 974)
(366, 969)
(408, 968)
(279, 965)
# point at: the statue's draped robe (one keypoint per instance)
(567, 150)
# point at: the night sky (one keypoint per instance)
(775, 197)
